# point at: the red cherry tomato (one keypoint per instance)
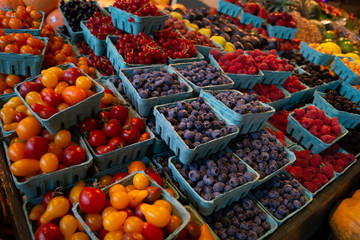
(47, 197)
(104, 115)
(44, 111)
(149, 170)
(36, 146)
(117, 142)
(19, 116)
(52, 98)
(156, 177)
(88, 125)
(144, 136)
(73, 155)
(97, 138)
(137, 123)
(119, 112)
(92, 200)
(48, 231)
(130, 134)
(152, 232)
(112, 127)
(104, 149)
(102, 233)
(118, 176)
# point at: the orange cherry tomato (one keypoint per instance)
(80, 236)
(47, 135)
(83, 82)
(94, 221)
(33, 97)
(49, 79)
(25, 167)
(136, 166)
(15, 23)
(114, 235)
(12, 80)
(115, 188)
(7, 115)
(68, 226)
(140, 181)
(16, 151)
(107, 210)
(119, 200)
(55, 149)
(62, 138)
(11, 48)
(163, 203)
(35, 14)
(28, 127)
(49, 162)
(73, 95)
(74, 194)
(60, 87)
(36, 212)
(62, 106)
(133, 224)
(173, 224)
(114, 221)
(105, 180)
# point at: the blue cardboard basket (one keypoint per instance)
(144, 106)
(22, 64)
(40, 184)
(326, 86)
(205, 50)
(73, 114)
(241, 81)
(196, 88)
(308, 197)
(158, 146)
(250, 122)
(205, 207)
(350, 92)
(309, 141)
(147, 25)
(299, 148)
(348, 120)
(198, 57)
(97, 45)
(178, 209)
(229, 8)
(34, 32)
(280, 103)
(247, 18)
(315, 56)
(3, 99)
(122, 155)
(275, 77)
(344, 72)
(281, 32)
(179, 147)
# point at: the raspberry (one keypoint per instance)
(289, 68)
(327, 121)
(318, 122)
(314, 132)
(308, 174)
(340, 163)
(216, 53)
(336, 130)
(239, 52)
(242, 58)
(280, 136)
(301, 163)
(322, 178)
(280, 68)
(327, 138)
(310, 186)
(312, 114)
(299, 113)
(325, 129)
(229, 56)
(338, 168)
(272, 52)
(232, 69)
(296, 172)
(252, 70)
(315, 160)
(329, 158)
(241, 71)
(288, 168)
(321, 115)
(307, 177)
(239, 65)
(334, 121)
(350, 157)
(306, 122)
(317, 182)
(327, 170)
(305, 154)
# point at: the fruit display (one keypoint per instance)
(55, 90)
(195, 122)
(113, 129)
(281, 196)
(337, 158)
(21, 43)
(141, 49)
(12, 112)
(255, 9)
(100, 26)
(215, 175)
(202, 74)
(84, 10)
(21, 18)
(261, 152)
(241, 220)
(151, 84)
(318, 124)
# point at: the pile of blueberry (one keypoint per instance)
(260, 151)
(203, 74)
(240, 103)
(163, 161)
(156, 83)
(215, 174)
(242, 220)
(195, 122)
(281, 195)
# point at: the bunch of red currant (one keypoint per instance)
(140, 49)
(138, 7)
(100, 26)
(175, 46)
(102, 64)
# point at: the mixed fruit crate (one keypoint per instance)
(131, 83)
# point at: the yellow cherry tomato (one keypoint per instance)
(80, 236)
(140, 181)
(7, 115)
(25, 167)
(68, 226)
(36, 212)
(114, 235)
(114, 221)
(33, 97)
(119, 200)
(75, 191)
(62, 138)
(133, 224)
(56, 208)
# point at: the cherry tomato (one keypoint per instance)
(193, 230)
(144, 136)
(112, 128)
(36, 146)
(173, 224)
(68, 226)
(55, 149)
(130, 134)
(47, 197)
(117, 142)
(49, 162)
(137, 123)
(49, 79)
(47, 135)
(7, 115)
(119, 200)
(16, 151)
(28, 127)
(104, 149)
(94, 221)
(73, 155)
(88, 125)
(97, 138)
(140, 181)
(156, 177)
(51, 97)
(152, 232)
(102, 233)
(114, 221)
(105, 180)
(92, 200)
(44, 111)
(19, 116)
(119, 112)
(136, 166)
(133, 224)
(48, 231)
(62, 138)
(73, 95)
(118, 176)
(80, 236)
(83, 82)
(104, 115)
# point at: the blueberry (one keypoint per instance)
(273, 166)
(188, 143)
(241, 235)
(247, 203)
(226, 222)
(262, 216)
(206, 125)
(198, 125)
(223, 177)
(198, 189)
(287, 188)
(218, 225)
(205, 140)
(273, 194)
(242, 180)
(189, 135)
(266, 225)
(234, 182)
(219, 187)
(249, 176)
(244, 226)
(302, 200)
(295, 193)
(297, 204)
(207, 196)
(208, 180)
(274, 203)
(214, 171)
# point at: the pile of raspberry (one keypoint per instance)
(337, 159)
(318, 124)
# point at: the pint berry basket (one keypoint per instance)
(281, 32)
(229, 8)
(247, 18)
